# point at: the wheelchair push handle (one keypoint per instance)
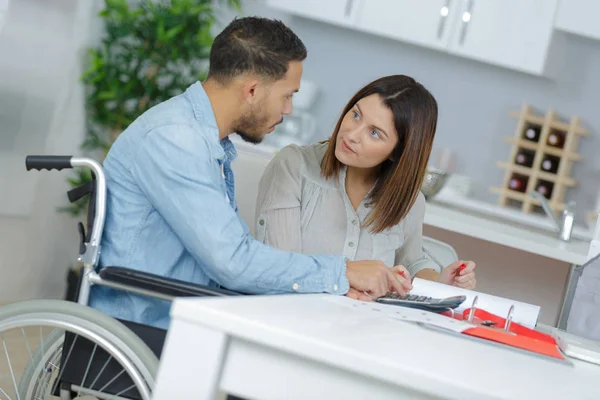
(48, 162)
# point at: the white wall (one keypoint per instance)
(39, 82)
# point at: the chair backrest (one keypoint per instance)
(440, 252)
(248, 169)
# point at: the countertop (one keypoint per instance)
(506, 234)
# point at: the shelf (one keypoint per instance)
(546, 176)
(514, 195)
(541, 121)
(553, 151)
(535, 153)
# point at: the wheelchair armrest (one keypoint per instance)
(156, 283)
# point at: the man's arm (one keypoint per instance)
(176, 171)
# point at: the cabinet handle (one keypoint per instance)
(349, 4)
(466, 18)
(444, 11)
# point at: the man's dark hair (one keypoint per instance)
(254, 45)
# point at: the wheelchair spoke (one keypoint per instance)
(101, 371)
(42, 340)
(12, 374)
(62, 369)
(88, 368)
(27, 344)
(4, 393)
(125, 390)
(111, 381)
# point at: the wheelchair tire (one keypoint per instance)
(114, 337)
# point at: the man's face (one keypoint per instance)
(273, 101)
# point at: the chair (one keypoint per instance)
(81, 351)
(248, 169)
(440, 252)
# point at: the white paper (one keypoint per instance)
(404, 314)
(523, 313)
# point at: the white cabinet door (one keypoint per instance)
(3, 12)
(511, 33)
(339, 12)
(580, 17)
(422, 22)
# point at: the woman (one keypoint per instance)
(358, 194)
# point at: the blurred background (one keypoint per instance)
(508, 75)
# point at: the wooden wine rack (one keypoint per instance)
(566, 155)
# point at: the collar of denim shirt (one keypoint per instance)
(222, 150)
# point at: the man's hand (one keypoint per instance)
(358, 295)
(402, 275)
(460, 274)
(375, 278)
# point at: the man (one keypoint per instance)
(171, 205)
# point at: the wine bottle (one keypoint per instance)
(556, 139)
(545, 188)
(518, 183)
(524, 158)
(550, 164)
(532, 133)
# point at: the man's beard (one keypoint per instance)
(248, 127)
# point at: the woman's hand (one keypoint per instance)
(460, 274)
(404, 277)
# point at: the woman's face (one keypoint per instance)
(367, 136)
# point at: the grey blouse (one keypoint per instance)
(298, 210)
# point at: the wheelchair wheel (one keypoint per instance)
(38, 339)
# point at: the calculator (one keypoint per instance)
(422, 302)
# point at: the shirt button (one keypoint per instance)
(351, 244)
(335, 288)
(354, 222)
(295, 286)
(261, 222)
(367, 205)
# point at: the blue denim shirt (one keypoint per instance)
(171, 211)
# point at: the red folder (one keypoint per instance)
(491, 327)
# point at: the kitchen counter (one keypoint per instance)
(506, 234)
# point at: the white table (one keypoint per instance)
(321, 347)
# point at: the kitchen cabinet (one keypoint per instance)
(579, 17)
(2, 17)
(338, 12)
(3, 12)
(515, 34)
(426, 23)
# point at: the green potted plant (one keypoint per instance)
(152, 50)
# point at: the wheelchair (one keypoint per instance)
(82, 353)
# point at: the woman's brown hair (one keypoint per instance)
(415, 114)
